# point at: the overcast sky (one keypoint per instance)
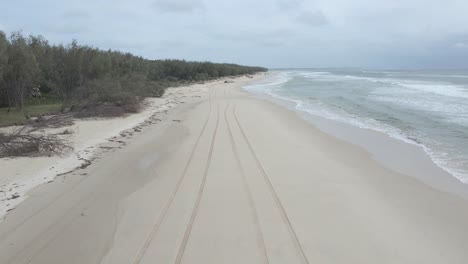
(271, 33)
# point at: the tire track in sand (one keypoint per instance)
(162, 216)
(54, 236)
(56, 198)
(278, 203)
(44, 234)
(260, 239)
(188, 230)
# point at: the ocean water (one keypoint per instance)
(424, 108)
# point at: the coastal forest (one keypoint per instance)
(38, 77)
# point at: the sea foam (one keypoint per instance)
(404, 109)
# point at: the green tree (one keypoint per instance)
(21, 71)
(78, 74)
(3, 67)
(40, 48)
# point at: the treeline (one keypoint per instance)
(79, 74)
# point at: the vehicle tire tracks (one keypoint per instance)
(54, 236)
(56, 198)
(260, 238)
(162, 216)
(194, 214)
(274, 194)
(50, 227)
(59, 221)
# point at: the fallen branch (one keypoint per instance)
(23, 142)
(54, 121)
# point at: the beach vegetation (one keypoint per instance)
(36, 77)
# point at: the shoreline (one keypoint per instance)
(236, 179)
(394, 153)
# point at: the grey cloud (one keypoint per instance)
(76, 14)
(461, 45)
(270, 43)
(315, 18)
(289, 4)
(280, 33)
(70, 28)
(167, 45)
(177, 6)
(268, 38)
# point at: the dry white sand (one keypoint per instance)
(21, 174)
(236, 180)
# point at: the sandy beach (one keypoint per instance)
(226, 177)
(89, 138)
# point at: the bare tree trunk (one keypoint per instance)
(8, 98)
(17, 93)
